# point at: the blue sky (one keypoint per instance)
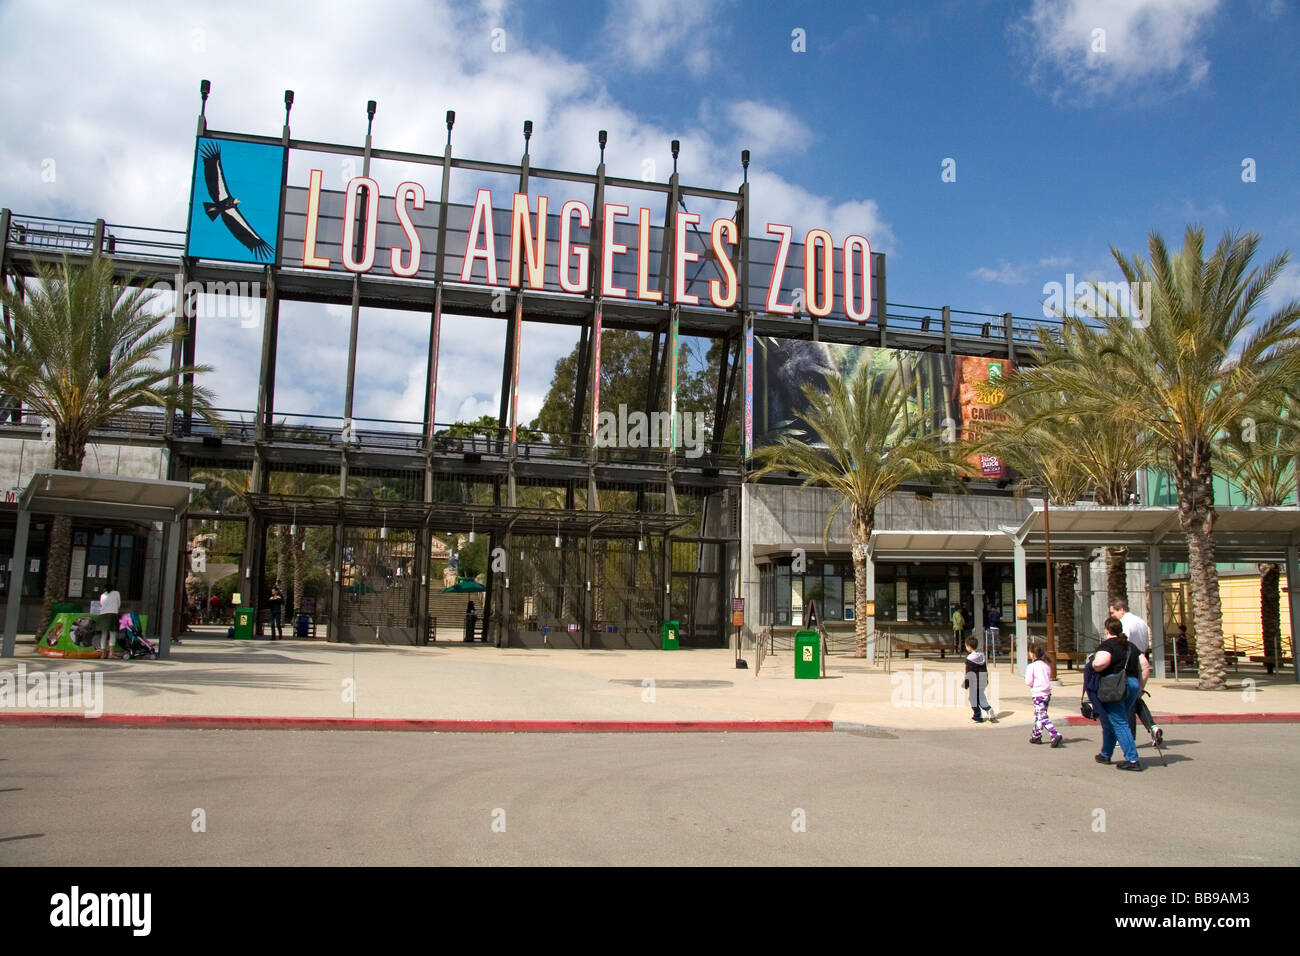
(1065, 140)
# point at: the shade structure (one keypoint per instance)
(464, 586)
(86, 494)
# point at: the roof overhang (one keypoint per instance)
(86, 494)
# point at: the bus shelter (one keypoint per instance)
(83, 494)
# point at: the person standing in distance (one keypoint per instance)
(1139, 635)
(110, 608)
(276, 602)
(958, 626)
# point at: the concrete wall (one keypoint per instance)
(19, 457)
(787, 515)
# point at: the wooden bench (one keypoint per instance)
(908, 646)
(1070, 658)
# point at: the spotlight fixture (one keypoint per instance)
(383, 531)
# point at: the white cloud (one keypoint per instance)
(1005, 273)
(1285, 288)
(123, 145)
(648, 34)
(1096, 48)
(768, 130)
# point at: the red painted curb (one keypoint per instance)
(196, 722)
(1280, 718)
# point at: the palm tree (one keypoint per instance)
(1110, 452)
(82, 347)
(1190, 364)
(1262, 462)
(872, 444)
(1041, 443)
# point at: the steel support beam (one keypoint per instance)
(15, 601)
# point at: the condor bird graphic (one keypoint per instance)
(227, 206)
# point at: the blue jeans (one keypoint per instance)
(1114, 724)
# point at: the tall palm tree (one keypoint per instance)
(1261, 460)
(81, 347)
(868, 441)
(1041, 443)
(1190, 364)
(1110, 452)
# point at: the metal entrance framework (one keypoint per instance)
(702, 565)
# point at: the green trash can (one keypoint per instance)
(807, 654)
(668, 632)
(245, 620)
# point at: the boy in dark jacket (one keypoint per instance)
(976, 680)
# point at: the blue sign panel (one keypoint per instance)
(235, 202)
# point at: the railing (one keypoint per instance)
(52, 234)
(761, 640)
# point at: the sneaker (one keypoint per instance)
(977, 719)
(1158, 737)
(993, 718)
(1128, 765)
(1056, 741)
(1100, 759)
(1035, 740)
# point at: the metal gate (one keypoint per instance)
(378, 593)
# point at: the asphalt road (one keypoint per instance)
(1226, 796)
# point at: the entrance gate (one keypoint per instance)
(378, 604)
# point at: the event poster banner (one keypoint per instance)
(949, 392)
(235, 201)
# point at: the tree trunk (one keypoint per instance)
(1270, 611)
(282, 557)
(1066, 573)
(69, 452)
(1193, 479)
(860, 524)
(298, 559)
(1116, 575)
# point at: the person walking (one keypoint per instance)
(1038, 678)
(276, 603)
(958, 626)
(1139, 635)
(976, 680)
(1117, 656)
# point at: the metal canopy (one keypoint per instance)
(83, 494)
(89, 495)
(1244, 534)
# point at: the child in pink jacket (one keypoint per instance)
(1038, 678)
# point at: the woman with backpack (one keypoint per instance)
(1121, 671)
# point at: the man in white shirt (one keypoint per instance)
(110, 608)
(1139, 635)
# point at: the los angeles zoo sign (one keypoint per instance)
(237, 216)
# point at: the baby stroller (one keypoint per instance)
(131, 640)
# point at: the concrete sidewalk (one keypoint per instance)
(211, 677)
